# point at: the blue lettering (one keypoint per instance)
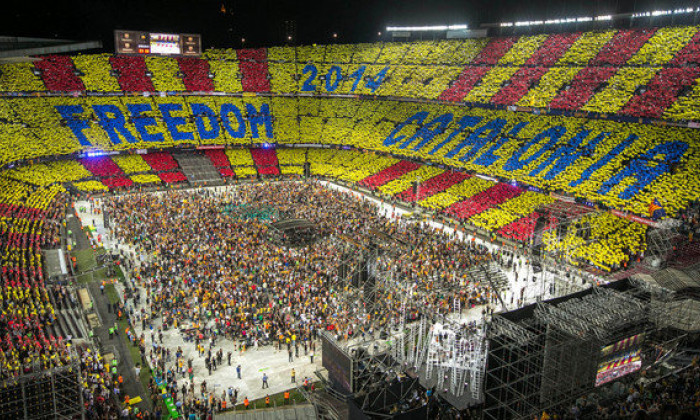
(418, 117)
(227, 109)
(646, 168)
(462, 124)
(426, 133)
(604, 161)
(475, 139)
(201, 111)
(332, 86)
(174, 122)
(568, 153)
(488, 158)
(357, 75)
(308, 83)
(552, 133)
(113, 123)
(141, 122)
(256, 118)
(76, 125)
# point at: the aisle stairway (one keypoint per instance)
(68, 318)
(197, 168)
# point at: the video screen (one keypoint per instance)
(620, 359)
(165, 44)
(141, 42)
(338, 364)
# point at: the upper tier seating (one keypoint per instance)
(131, 73)
(58, 73)
(607, 71)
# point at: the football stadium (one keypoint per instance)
(495, 219)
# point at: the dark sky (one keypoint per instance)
(261, 22)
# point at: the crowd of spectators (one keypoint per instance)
(227, 277)
(397, 170)
(527, 70)
(131, 73)
(367, 130)
(31, 220)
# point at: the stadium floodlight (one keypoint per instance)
(579, 19)
(657, 13)
(529, 23)
(426, 28)
(599, 18)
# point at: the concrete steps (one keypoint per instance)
(197, 168)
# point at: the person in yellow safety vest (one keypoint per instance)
(286, 397)
(267, 401)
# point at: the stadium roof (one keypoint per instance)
(14, 48)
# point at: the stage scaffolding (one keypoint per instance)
(50, 394)
(660, 246)
(551, 264)
(547, 354)
(563, 229)
(675, 302)
(407, 343)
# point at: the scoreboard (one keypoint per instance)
(139, 42)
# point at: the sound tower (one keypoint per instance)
(307, 169)
(369, 283)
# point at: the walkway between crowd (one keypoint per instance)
(131, 384)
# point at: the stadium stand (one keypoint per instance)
(266, 161)
(30, 221)
(253, 66)
(432, 186)
(160, 161)
(486, 199)
(195, 74)
(476, 163)
(132, 73)
(102, 166)
(59, 73)
(570, 71)
(397, 170)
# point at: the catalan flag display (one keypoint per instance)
(655, 210)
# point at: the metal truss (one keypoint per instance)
(550, 356)
(50, 394)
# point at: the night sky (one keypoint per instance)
(261, 22)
